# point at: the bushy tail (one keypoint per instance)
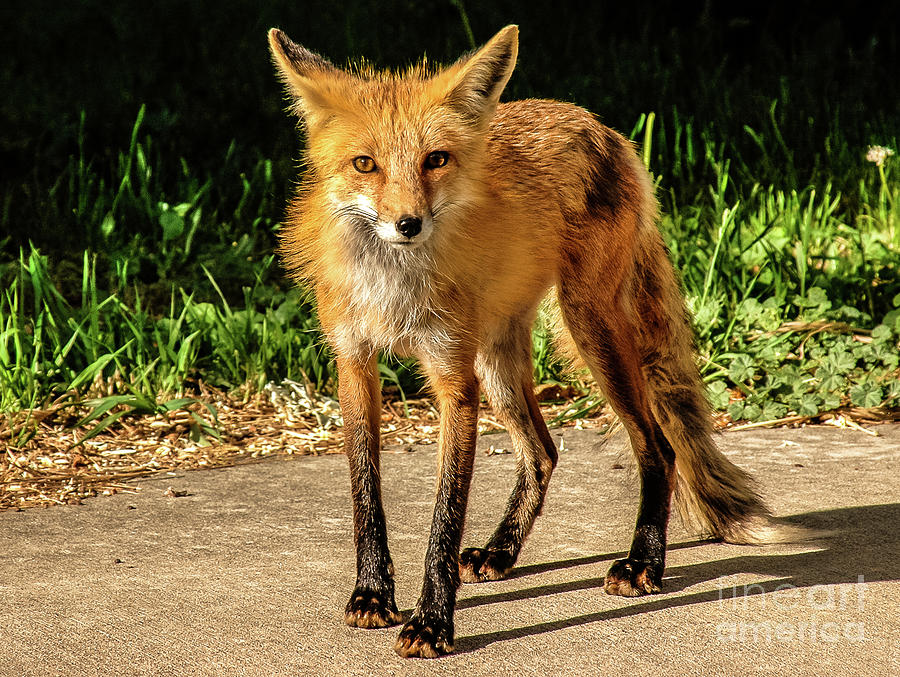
(712, 493)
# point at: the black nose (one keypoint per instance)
(409, 226)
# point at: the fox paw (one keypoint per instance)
(424, 639)
(370, 609)
(477, 565)
(632, 578)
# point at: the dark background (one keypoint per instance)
(203, 71)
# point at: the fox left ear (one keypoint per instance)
(308, 77)
(474, 83)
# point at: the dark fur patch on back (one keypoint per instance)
(605, 189)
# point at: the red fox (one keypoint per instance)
(431, 221)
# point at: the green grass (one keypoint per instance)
(751, 258)
(53, 351)
(794, 293)
(136, 241)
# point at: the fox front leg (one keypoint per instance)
(372, 603)
(429, 633)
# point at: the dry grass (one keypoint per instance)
(52, 468)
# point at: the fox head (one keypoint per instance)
(396, 155)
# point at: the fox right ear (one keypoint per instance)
(474, 83)
(306, 75)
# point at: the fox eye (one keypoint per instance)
(436, 159)
(364, 164)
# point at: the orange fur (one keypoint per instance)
(520, 197)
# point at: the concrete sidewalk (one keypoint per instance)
(249, 572)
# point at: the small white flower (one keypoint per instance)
(878, 154)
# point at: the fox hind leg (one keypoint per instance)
(505, 372)
(595, 317)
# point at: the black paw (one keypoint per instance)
(370, 609)
(424, 639)
(632, 578)
(477, 565)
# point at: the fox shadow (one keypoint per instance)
(856, 541)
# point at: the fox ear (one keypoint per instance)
(306, 75)
(474, 83)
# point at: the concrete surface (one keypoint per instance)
(249, 572)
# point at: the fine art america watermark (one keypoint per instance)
(824, 609)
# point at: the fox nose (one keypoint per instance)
(409, 226)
